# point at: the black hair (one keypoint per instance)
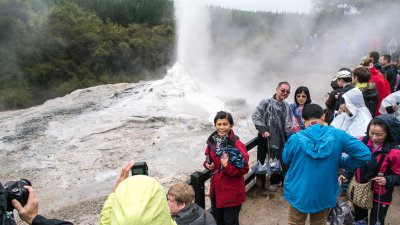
(306, 91)
(387, 58)
(312, 111)
(283, 82)
(223, 115)
(346, 79)
(374, 55)
(381, 123)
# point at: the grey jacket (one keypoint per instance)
(193, 215)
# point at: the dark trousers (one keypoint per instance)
(362, 214)
(262, 151)
(226, 215)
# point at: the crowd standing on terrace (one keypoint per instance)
(303, 150)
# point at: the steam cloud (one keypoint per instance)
(246, 55)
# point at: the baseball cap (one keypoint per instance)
(342, 74)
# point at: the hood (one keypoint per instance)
(315, 143)
(354, 100)
(377, 65)
(140, 199)
(391, 100)
(393, 126)
(375, 72)
(368, 90)
(194, 215)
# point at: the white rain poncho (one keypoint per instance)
(391, 100)
(357, 123)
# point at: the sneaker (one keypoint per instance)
(274, 187)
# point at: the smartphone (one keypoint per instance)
(139, 168)
(209, 161)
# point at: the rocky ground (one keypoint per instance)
(72, 148)
(264, 207)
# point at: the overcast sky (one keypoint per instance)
(265, 5)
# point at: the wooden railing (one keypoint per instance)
(197, 179)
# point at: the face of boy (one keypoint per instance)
(174, 206)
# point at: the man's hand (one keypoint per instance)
(124, 174)
(210, 167)
(266, 134)
(31, 209)
(396, 107)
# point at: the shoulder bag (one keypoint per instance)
(362, 194)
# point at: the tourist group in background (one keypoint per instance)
(302, 149)
(358, 135)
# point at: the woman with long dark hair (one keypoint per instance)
(383, 134)
(301, 98)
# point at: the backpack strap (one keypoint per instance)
(233, 140)
(378, 167)
(365, 139)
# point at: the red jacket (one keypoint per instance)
(227, 184)
(381, 84)
(390, 168)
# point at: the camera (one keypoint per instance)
(140, 168)
(16, 190)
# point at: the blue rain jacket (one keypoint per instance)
(315, 154)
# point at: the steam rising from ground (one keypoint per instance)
(245, 55)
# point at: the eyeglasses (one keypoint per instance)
(285, 91)
(301, 96)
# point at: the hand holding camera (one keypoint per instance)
(31, 209)
(124, 174)
(138, 168)
(21, 196)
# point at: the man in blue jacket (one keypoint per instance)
(315, 155)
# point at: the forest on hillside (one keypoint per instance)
(49, 48)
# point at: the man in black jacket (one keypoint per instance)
(370, 94)
(390, 70)
(375, 57)
(29, 213)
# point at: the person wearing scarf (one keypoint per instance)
(228, 163)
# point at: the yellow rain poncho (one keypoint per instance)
(138, 200)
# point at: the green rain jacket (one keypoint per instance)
(137, 200)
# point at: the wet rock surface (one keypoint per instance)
(72, 148)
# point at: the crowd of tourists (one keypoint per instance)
(304, 150)
(355, 138)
